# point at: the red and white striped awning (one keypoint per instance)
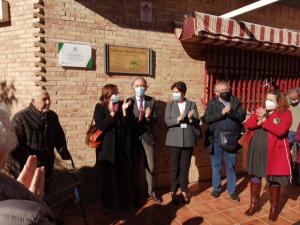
(206, 28)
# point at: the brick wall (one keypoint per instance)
(74, 92)
(17, 59)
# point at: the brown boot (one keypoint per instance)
(255, 193)
(274, 192)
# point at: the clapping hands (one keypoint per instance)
(180, 117)
(33, 177)
(190, 114)
(148, 112)
(226, 109)
(261, 113)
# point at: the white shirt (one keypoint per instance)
(181, 106)
(138, 102)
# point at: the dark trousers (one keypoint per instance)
(119, 171)
(180, 166)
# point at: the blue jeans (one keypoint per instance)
(216, 163)
(292, 138)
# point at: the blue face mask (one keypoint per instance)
(139, 91)
(176, 96)
(115, 98)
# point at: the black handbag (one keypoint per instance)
(229, 141)
(197, 132)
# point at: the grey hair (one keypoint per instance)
(296, 89)
(140, 78)
(221, 82)
(8, 139)
(37, 93)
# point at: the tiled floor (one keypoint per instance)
(203, 209)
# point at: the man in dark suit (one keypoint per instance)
(143, 138)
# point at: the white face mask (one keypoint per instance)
(270, 105)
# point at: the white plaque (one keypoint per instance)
(75, 55)
(1, 10)
(4, 11)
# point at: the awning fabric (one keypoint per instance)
(212, 29)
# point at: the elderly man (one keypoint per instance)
(224, 113)
(38, 131)
(25, 194)
(144, 110)
(294, 98)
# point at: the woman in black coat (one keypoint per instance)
(113, 153)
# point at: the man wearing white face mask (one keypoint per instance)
(144, 110)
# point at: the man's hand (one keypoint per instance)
(226, 110)
(33, 178)
(148, 112)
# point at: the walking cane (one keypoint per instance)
(78, 199)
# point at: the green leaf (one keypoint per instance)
(90, 64)
(60, 45)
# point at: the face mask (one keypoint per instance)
(176, 96)
(115, 98)
(294, 102)
(139, 91)
(270, 105)
(225, 96)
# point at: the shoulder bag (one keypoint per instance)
(93, 135)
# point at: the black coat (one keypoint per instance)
(38, 134)
(143, 128)
(213, 116)
(115, 138)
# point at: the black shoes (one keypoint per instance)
(235, 197)
(155, 198)
(215, 194)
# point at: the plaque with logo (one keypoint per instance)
(74, 55)
(128, 60)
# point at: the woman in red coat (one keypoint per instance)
(269, 153)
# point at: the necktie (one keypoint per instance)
(141, 109)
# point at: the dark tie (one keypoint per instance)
(141, 109)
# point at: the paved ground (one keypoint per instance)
(203, 209)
